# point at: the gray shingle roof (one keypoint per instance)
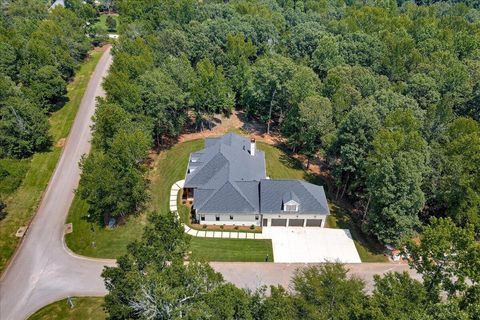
(228, 155)
(228, 179)
(311, 198)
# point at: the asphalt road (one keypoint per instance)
(44, 270)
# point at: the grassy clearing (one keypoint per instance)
(85, 308)
(101, 24)
(22, 204)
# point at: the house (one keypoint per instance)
(227, 184)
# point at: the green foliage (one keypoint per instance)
(395, 172)
(111, 23)
(447, 258)
(459, 186)
(39, 53)
(113, 181)
(211, 93)
(326, 292)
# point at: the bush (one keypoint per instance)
(252, 227)
(204, 226)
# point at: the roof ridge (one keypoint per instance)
(243, 195)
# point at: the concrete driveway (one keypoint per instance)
(311, 245)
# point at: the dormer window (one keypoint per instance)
(290, 206)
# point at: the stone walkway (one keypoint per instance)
(177, 186)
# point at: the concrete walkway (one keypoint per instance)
(177, 186)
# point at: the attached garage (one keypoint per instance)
(296, 222)
(279, 223)
(314, 222)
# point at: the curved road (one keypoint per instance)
(44, 270)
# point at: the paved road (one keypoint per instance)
(44, 270)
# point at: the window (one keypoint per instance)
(202, 217)
(257, 217)
(217, 218)
(291, 207)
(231, 217)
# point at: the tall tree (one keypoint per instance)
(396, 166)
(459, 187)
(326, 292)
(211, 93)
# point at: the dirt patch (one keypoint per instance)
(61, 143)
(236, 122)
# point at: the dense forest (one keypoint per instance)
(39, 52)
(387, 94)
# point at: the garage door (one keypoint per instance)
(279, 223)
(314, 222)
(295, 222)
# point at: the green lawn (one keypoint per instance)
(169, 167)
(12, 173)
(22, 204)
(102, 22)
(84, 308)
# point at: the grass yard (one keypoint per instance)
(212, 249)
(23, 202)
(85, 308)
(12, 173)
(101, 24)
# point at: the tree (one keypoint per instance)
(211, 93)
(351, 146)
(113, 182)
(23, 126)
(163, 103)
(266, 94)
(111, 23)
(108, 120)
(327, 55)
(398, 296)
(314, 127)
(279, 305)
(447, 259)
(459, 185)
(395, 170)
(326, 292)
(47, 88)
(152, 281)
(303, 39)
